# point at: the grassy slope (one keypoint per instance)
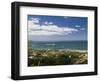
(46, 57)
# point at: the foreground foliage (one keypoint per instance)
(47, 57)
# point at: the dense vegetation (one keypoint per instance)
(47, 57)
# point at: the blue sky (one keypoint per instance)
(57, 28)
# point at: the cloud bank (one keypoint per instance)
(47, 28)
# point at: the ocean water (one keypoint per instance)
(74, 45)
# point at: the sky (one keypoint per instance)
(56, 28)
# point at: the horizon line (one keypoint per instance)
(59, 40)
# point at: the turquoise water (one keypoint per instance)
(75, 45)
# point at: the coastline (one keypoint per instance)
(72, 50)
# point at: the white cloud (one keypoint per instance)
(43, 32)
(33, 24)
(77, 26)
(34, 28)
(82, 29)
(48, 23)
(35, 20)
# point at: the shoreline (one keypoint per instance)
(72, 50)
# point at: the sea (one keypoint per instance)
(72, 45)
